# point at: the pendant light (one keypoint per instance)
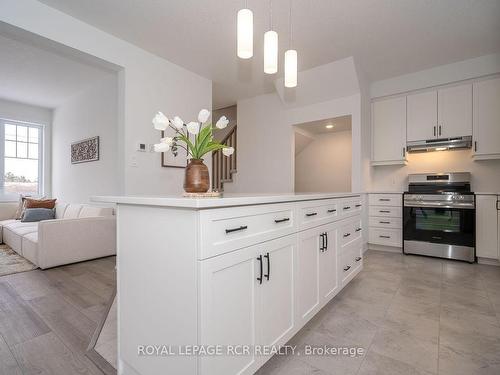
(270, 46)
(245, 33)
(290, 60)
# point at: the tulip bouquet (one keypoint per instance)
(202, 131)
(196, 178)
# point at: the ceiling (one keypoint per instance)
(38, 77)
(387, 38)
(340, 124)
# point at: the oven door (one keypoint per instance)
(439, 225)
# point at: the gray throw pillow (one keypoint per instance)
(38, 214)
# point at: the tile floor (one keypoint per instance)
(412, 315)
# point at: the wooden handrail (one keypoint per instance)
(223, 167)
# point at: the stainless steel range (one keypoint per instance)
(439, 215)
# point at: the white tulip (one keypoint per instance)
(203, 116)
(193, 127)
(178, 123)
(228, 151)
(160, 121)
(168, 141)
(161, 147)
(222, 122)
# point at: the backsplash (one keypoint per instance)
(485, 174)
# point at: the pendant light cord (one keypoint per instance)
(270, 14)
(290, 21)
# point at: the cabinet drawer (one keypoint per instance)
(387, 237)
(385, 222)
(350, 232)
(312, 214)
(394, 200)
(350, 206)
(227, 229)
(350, 264)
(385, 211)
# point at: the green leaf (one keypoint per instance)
(204, 139)
(189, 144)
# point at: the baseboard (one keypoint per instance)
(490, 262)
(391, 249)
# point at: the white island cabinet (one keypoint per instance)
(234, 276)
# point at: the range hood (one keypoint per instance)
(440, 144)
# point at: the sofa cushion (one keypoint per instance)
(37, 214)
(14, 232)
(30, 247)
(94, 211)
(60, 208)
(72, 211)
(2, 224)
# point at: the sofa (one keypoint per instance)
(79, 232)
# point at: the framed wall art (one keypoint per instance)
(85, 151)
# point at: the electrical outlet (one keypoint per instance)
(133, 162)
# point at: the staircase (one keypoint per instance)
(223, 167)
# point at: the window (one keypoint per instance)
(22, 159)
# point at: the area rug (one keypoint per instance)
(11, 262)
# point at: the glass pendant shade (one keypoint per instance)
(270, 52)
(245, 34)
(291, 68)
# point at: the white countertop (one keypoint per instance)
(486, 193)
(227, 200)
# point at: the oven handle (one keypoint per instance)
(467, 206)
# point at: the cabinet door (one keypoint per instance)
(389, 131)
(486, 226)
(229, 295)
(328, 279)
(307, 282)
(455, 111)
(487, 119)
(421, 121)
(276, 310)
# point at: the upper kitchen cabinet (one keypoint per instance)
(421, 116)
(389, 131)
(455, 111)
(487, 119)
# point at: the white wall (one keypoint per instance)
(90, 113)
(324, 165)
(10, 110)
(24, 112)
(485, 174)
(265, 141)
(147, 83)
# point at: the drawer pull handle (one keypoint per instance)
(243, 227)
(330, 211)
(385, 236)
(312, 214)
(322, 247)
(282, 220)
(347, 268)
(347, 235)
(384, 200)
(358, 205)
(358, 259)
(358, 229)
(326, 242)
(384, 211)
(384, 222)
(259, 279)
(347, 207)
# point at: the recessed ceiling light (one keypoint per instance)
(329, 126)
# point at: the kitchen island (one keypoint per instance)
(216, 285)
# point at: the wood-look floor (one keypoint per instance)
(48, 317)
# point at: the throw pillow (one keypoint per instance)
(20, 208)
(40, 203)
(38, 214)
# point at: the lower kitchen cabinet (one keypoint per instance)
(317, 278)
(487, 227)
(247, 299)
